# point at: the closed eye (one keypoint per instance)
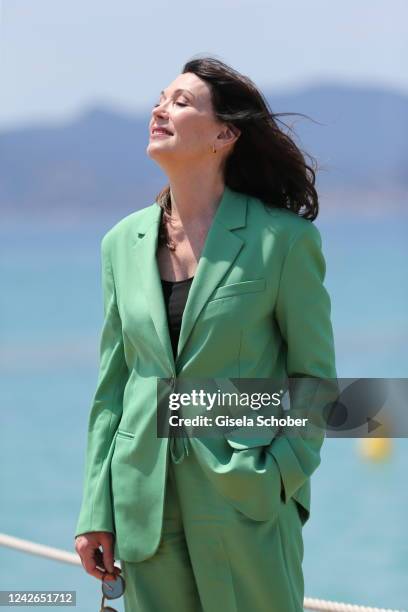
(177, 103)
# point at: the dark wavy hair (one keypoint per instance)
(264, 162)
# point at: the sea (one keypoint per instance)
(356, 541)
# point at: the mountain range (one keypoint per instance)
(97, 160)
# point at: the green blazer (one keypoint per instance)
(257, 308)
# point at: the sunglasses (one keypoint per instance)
(111, 589)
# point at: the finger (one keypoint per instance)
(92, 569)
(108, 560)
(116, 571)
(97, 574)
(100, 564)
(109, 575)
(91, 560)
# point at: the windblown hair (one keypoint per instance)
(265, 162)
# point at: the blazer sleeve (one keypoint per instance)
(302, 312)
(106, 409)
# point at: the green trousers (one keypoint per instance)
(213, 558)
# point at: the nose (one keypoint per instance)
(159, 110)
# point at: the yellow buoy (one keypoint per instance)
(375, 449)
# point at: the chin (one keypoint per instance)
(154, 151)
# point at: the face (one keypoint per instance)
(185, 110)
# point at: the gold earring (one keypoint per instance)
(213, 149)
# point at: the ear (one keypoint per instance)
(229, 135)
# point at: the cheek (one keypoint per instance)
(194, 133)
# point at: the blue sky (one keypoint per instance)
(58, 57)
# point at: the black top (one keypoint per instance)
(175, 297)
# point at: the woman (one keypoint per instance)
(221, 277)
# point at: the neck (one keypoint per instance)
(194, 197)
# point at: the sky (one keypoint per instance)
(60, 57)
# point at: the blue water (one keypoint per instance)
(356, 544)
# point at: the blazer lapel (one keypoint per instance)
(220, 250)
(144, 251)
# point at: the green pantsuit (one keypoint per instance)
(212, 557)
(234, 506)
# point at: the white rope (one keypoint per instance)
(318, 605)
(322, 605)
(39, 549)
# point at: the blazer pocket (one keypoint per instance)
(249, 286)
(121, 433)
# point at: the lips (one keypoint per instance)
(161, 130)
